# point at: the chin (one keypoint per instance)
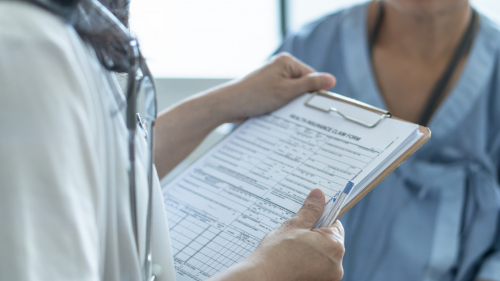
(426, 8)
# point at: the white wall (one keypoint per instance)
(201, 38)
(172, 90)
(225, 38)
(193, 45)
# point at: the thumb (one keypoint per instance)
(311, 211)
(313, 82)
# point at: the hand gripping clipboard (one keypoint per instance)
(383, 115)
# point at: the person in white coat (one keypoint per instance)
(65, 211)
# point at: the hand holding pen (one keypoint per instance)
(331, 216)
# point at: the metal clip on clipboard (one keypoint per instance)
(383, 113)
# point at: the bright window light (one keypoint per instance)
(209, 39)
(491, 8)
(226, 38)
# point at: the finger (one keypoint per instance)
(293, 67)
(338, 231)
(314, 82)
(299, 69)
(311, 210)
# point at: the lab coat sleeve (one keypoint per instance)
(49, 174)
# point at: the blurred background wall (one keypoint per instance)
(193, 45)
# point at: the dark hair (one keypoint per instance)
(94, 28)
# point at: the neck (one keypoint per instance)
(429, 35)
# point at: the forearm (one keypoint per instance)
(181, 128)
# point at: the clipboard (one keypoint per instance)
(227, 191)
(383, 115)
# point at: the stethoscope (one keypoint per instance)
(139, 85)
(139, 82)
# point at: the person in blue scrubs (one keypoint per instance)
(435, 62)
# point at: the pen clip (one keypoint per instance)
(338, 202)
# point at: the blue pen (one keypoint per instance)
(329, 219)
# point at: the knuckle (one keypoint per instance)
(318, 82)
(283, 58)
(340, 228)
(288, 223)
(291, 222)
(339, 248)
(337, 272)
(312, 209)
(315, 81)
(336, 254)
(269, 236)
(337, 251)
(327, 230)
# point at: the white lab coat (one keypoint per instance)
(64, 196)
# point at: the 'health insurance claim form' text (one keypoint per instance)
(258, 177)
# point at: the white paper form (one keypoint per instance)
(258, 177)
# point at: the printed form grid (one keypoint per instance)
(287, 158)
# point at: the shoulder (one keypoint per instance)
(486, 64)
(490, 31)
(30, 35)
(488, 39)
(487, 50)
(42, 58)
(37, 42)
(48, 77)
(21, 22)
(328, 25)
(332, 22)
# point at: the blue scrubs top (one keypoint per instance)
(437, 216)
